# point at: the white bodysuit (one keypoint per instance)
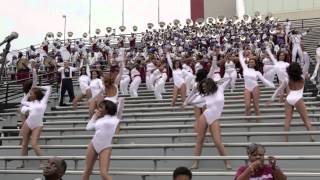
(251, 76)
(177, 74)
(293, 96)
(105, 128)
(84, 81)
(215, 103)
(96, 87)
(36, 108)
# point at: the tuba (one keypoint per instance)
(162, 24)
(50, 35)
(122, 28)
(109, 29)
(211, 21)
(135, 28)
(189, 22)
(176, 22)
(98, 31)
(246, 19)
(200, 22)
(150, 25)
(59, 34)
(85, 35)
(70, 34)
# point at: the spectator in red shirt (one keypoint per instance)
(257, 169)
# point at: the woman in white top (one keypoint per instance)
(36, 107)
(213, 96)
(316, 69)
(96, 88)
(104, 122)
(279, 68)
(160, 80)
(178, 80)
(124, 82)
(251, 86)
(150, 67)
(84, 82)
(135, 81)
(27, 86)
(230, 71)
(295, 84)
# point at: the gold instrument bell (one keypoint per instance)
(59, 34)
(98, 31)
(122, 28)
(70, 34)
(135, 28)
(150, 25)
(108, 29)
(189, 22)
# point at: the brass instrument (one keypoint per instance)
(243, 37)
(135, 28)
(70, 34)
(109, 29)
(122, 28)
(50, 35)
(246, 19)
(199, 34)
(211, 21)
(150, 25)
(173, 43)
(98, 31)
(176, 22)
(162, 24)
(258, 16)
(200, 22)
(85, 35)
(273, 31)
(189, 22)
(160, 42)
(59, 34)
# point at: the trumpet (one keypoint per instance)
(59, 34)
(122, 28)
(70, 34)
(98, 31)
(150, 25)
(135, 28)
(109, 29)
(189, 22)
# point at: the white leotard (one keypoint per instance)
(215, 103)
(251, 76)
(36, 109)
(84, 82)
(105, 128)
(230, 66)
(96, 87)
(293, 96)
(177, 74)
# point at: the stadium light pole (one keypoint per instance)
(158, 11)
(122, 13)
(89, 19)
(64, 29)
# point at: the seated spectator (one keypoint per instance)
(54, 169)
(182, 173)
(257, 169)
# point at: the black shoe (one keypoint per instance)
(63, 104)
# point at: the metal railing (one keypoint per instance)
(9, 90)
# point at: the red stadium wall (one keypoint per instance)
(197, 9)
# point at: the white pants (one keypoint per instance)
(233, 75)
(149, 83)
(159, 88)
(124, 84)
(134, 86)
(189, 83)
(297, 50)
